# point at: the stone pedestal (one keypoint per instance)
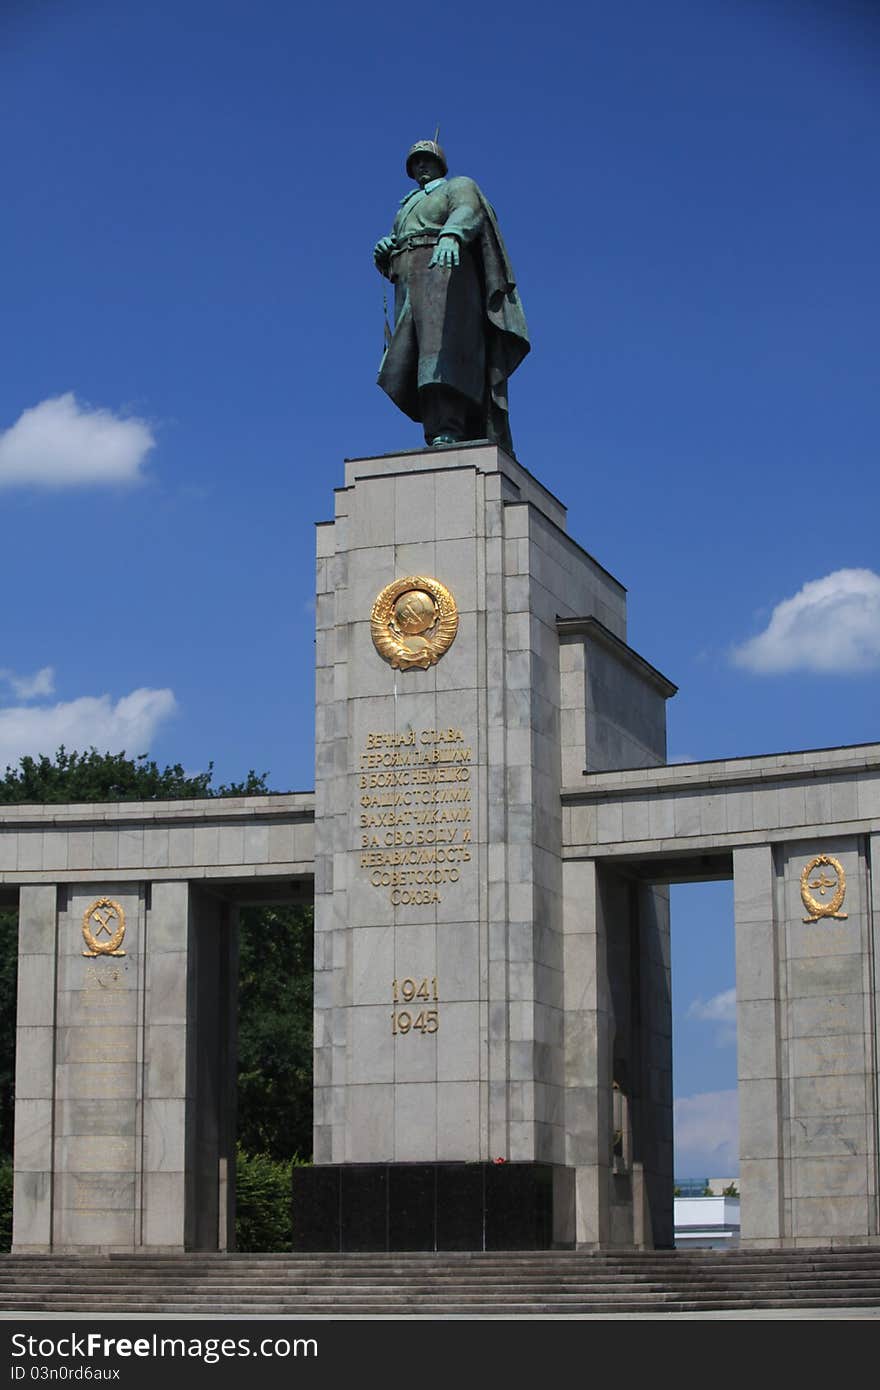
(426, 1206)
(462, 1014)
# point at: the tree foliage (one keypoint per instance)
(94, 776)
(276, 955)
(263, 1195)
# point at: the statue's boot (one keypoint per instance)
(444, 415)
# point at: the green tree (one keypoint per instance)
(95, 776)
(276, 960)
(263, 1197)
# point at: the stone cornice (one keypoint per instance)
(804, 766)
(288, 806)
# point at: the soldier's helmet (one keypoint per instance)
(426, 147)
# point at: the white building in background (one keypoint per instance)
(706, 1222)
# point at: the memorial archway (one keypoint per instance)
(798, 833)
(125, 1066)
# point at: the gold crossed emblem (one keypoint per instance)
(823, 883)
(413, 622)
(104, 918)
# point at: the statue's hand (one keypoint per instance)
(446, 252)
(382, 253)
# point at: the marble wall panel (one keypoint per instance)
(415, 1123)
(368, 1131)
(458, 1121)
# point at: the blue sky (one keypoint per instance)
(192, 328)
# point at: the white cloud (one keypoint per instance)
(831, 626)
(60, 443)
(129, 724)
(721, 1010)
(707, 1133)
(42, 682)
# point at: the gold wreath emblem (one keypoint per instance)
(100, 915)
(823, 883)
(413, 622)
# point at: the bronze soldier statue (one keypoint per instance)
(459, 328)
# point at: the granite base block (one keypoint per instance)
(423, 1206)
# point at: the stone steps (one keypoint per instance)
(518, 1284)
(381, 1283)
(867, 1256)
(384, 1308)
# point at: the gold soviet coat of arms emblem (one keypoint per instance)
(103, 917)
(413, 622)
(835, 882)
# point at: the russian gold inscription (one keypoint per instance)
(413, 622)
(104, 917)
(823, 883)
(104, 997)
(106, 1080)
(100, 1153)
(415, 817)
(103, 977)
(109, 1192)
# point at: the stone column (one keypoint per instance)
(759, 1064)
(873, 1021)
(439, 935)
(98, 1114)
(828, 1048)
(587, 1054)
(35, 1069)
(653, 1141)
(167, 1004)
